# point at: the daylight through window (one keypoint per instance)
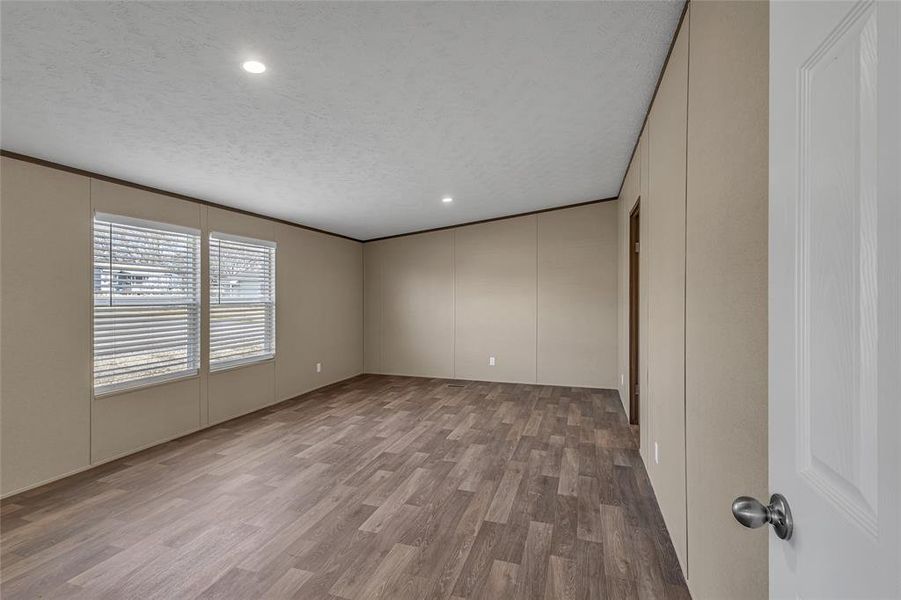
(242, 300)
(146, 302)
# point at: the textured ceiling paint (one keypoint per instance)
(369, 113)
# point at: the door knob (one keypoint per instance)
(751, 513)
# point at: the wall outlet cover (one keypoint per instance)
(490, 361)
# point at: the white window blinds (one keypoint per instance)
(242, 300)
(146, 302)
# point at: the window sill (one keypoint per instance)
(241, 365)
(137, 387)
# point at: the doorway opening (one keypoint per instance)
(634, 248)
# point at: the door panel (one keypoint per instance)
(834, 279)
(836, 233)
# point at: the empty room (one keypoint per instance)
(450, 300)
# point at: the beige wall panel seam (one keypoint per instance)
(91, 321)
(687, 20)
(537, 297)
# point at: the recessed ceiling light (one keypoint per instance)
(254, 66)
(447, 199)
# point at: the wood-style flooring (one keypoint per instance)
(377, 487)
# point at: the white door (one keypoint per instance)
(835, 297)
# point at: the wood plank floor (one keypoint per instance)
(378, 487)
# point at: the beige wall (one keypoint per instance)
(656, 176)
(536, 292)
(51, 425)
(496, 275)
(320, 310)
(663, 257)
(122, 423)
(700, 170)
(234, 392)
(45, 383)
(417, 304)
(577, 293)
(726, 307)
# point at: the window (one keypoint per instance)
(146, 302)
(242, 300)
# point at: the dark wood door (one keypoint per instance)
(634, 249)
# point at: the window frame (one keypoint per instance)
(194, 309)
(221, 365)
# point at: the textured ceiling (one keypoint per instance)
(368, 114)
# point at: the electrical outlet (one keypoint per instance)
(656, 453)
(490, 361)
(319, 367)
